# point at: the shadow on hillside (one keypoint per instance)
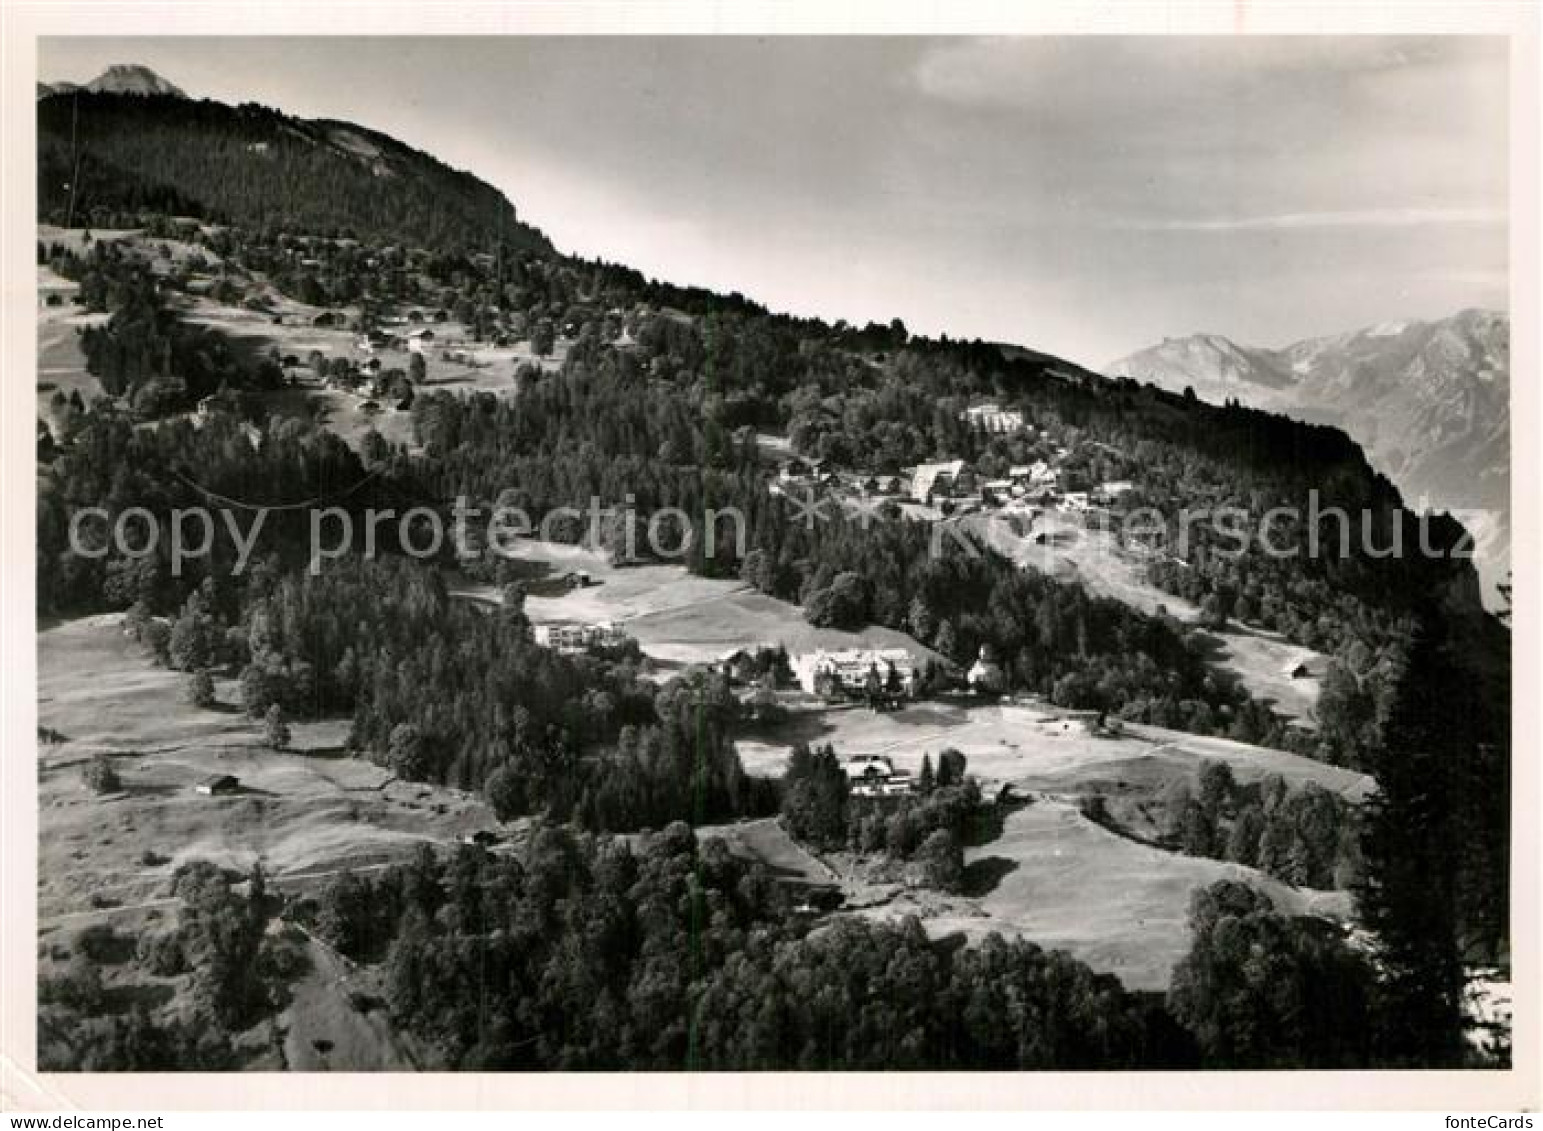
(982, 876)
(799, 726)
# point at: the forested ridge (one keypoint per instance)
(102, 155)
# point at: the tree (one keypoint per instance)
(407, 753)
(951, 767)
(1243, 837)
(200, 688)
(197, 635)
(101, 776)
(1407, 894)
(873, 686)
(1197, 830)
(543, 339)
(276, 728)
(417, 369)
(1213, 611)
(505, 791)
(1217, 788)
(942, 860)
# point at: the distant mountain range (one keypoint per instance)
(1429, 401)
(130, 141)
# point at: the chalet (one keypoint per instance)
(874, 775)
(218, 785)
(738, 664)
(868, 767)
(986, 676)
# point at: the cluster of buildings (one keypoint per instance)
(953, 484)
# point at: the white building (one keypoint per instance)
(1075, 500)
(930, 477)
(993, 417)
(848, 670)
(573, 638)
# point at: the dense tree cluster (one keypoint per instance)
(1305, 836)
(591, 954)
(236, 971)
(931, 825)
(1263, 990)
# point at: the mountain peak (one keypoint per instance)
(132, 78)
(1214, 365)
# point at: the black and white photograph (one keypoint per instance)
(768, 553)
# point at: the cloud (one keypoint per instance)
(1308, 221)
(1039, 71)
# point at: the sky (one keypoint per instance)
(1083, 195)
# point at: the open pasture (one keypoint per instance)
(306, 813)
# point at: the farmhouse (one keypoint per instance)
(1113, 490)
(218, 784)
(874, 775)
(847, 671)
